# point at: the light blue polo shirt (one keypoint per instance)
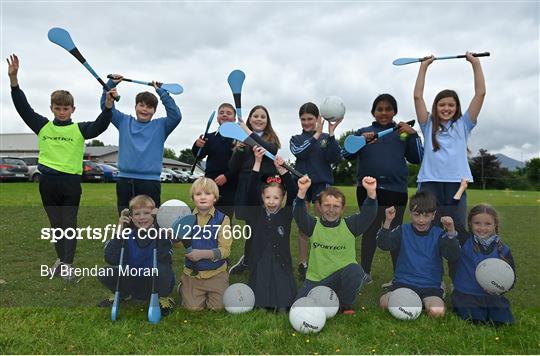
(449, 163)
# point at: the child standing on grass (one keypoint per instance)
(421, 247)
(219, 150)
(469, 300)
(259, 128)
(446, 131)
(205, 278)
(332, 255)
(61, 150)
(315, 153)
(141, 144)
(138, 253)
(386, 160)
(271, 276)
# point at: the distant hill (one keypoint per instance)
(509, 163)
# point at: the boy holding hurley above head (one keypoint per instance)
(332, 255)
(61, 150)
(141, 144)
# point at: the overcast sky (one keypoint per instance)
(291, 52)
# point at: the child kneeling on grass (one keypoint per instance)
(138, 256)
(469, 300)
(332, 257)
(421, 247)
(205, 277)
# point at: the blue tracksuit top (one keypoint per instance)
(386, 159)
(314, 157)
(141, 144)
(419, 261)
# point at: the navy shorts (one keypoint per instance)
(312, 195)
(482, 308)
(422, 292)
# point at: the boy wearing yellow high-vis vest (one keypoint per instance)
(60, 162)
(332, 256)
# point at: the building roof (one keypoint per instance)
(98, 151)
(19, 142)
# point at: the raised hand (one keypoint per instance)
(370, 184)
(390, 214)
(303, 185)
(117, 78)
(13, 65)
(471, 59)
(427, 60)
(109, 98)
(13, 69)
(332, 126)
(448, 223)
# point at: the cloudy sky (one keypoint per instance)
(291, 52)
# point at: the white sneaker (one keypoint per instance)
(443, 287)
(54, 268)
(387, 284)
(239, 267)
(367, 279)
(67, 273)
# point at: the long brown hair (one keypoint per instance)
(269, 134)
(436, 121)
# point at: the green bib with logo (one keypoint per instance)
(61, 148)
(332, 248)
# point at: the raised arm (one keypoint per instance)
(91, 129)
(479, 87)
(305, 222)
(29, 116)
(389, 240)
(419, 103)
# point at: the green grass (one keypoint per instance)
(38, 315)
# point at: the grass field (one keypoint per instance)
(39, 315)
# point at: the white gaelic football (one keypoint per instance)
(238, 298)
(170, 211)
(305, 317)
(325, 298)
(495, 275)
(332, 108)
(404, 304)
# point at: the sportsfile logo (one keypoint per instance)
(57, 138)
(328, 247)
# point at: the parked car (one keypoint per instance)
(33, 171)
(13, 169)
(110, 173)
(177, 177)
(184, 177)
(165, 177)
(92, 172)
